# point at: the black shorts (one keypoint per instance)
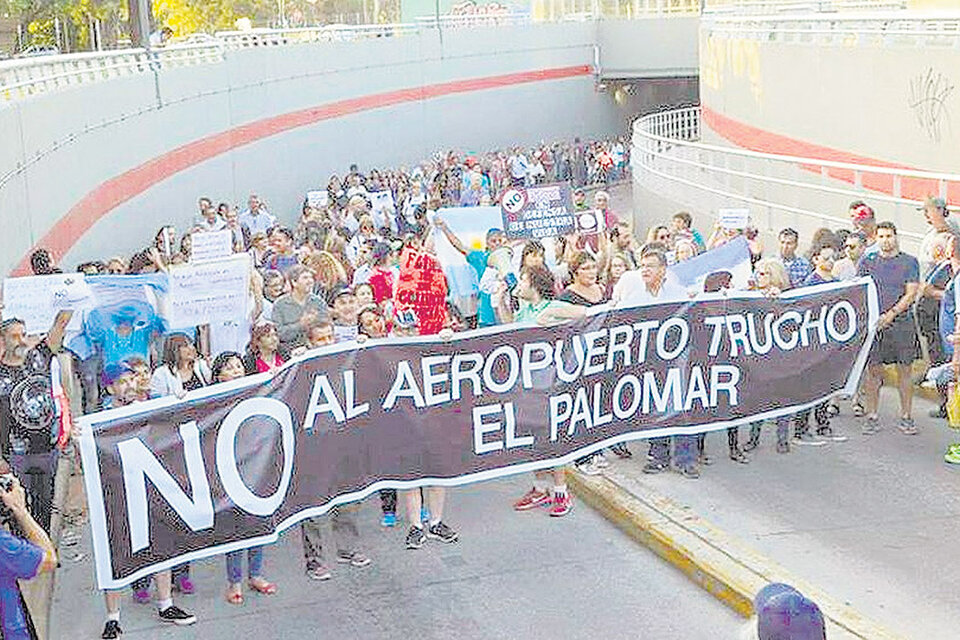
(897, 344)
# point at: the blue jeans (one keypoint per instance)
(235, 564)
(684, 450)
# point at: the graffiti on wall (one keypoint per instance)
(928, 95)
(722, 59)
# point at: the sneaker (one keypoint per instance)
(317, 571)
(389, 519)
(952, 456)
(827, 433)
(621, 451)
(600, 460)
(871, 426)
(833, 410)
(858, 410)
(111, 630)
(442, 532)
(907, 427)
(704, 460)
(807, 438)
(590, 468)
(355, 559)
(424, 514)
(783, 447)
(531, 499)
(415, 538)
(691, 472)
(141, 596)
(184, 585)
(177, 616)
(954, 447)
(938, 413)
(654, 467)
(561, 506)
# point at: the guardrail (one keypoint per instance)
(668, 158)
(885, 28)
(21, 78)
(773, 7)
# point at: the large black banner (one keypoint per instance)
(232, 465)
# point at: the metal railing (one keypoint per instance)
(668, 158)
(775, 7)
(881, 28)
(21, 78)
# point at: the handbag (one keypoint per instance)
(953, 406)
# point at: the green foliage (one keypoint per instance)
(183, 16)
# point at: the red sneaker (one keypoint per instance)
(561, 506)
(531, 499)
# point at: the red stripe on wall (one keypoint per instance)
(114, 192)
(754, 139)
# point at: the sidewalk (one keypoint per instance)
(872, 522)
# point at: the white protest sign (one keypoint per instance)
(317, 199)
(37, 299)
(211, 245)
(382, 201)
(734, 218)
(208, 292)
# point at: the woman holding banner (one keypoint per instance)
(770, 278)
(226, 367)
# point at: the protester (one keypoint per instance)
(256, 219)
(228, 366)
(897, 277)
(27, 412)
(120, 383)
(263, 353)
(798, 267)
(297, 310)
(536, 293)
(26, 554)
(771, 279)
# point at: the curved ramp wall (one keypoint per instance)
(96, 169)
(881, 100)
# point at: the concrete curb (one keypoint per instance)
(720, 564)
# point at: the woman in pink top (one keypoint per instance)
(263, 352)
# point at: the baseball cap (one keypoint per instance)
(112, 372)
(934, 201)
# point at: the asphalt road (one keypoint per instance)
(511, 575)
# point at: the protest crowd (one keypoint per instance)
(342, 272)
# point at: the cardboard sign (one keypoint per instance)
(211, 245)
(422, 288)
(37, 299)
(734, 218)
(540, 212)
(318, 199)
(208, 293)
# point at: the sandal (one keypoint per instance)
(234, 597)
(907, 427)
(262, 586)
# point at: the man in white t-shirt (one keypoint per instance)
(648, 285)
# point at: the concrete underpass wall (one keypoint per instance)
(873, 102)
(95, 170)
